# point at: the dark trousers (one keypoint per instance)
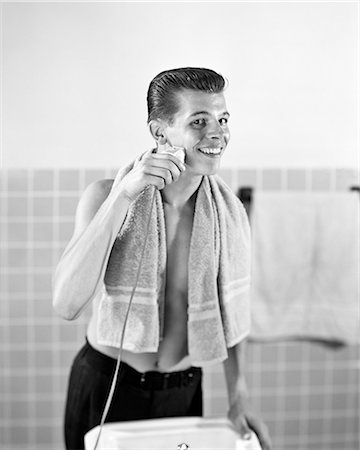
(137, 396)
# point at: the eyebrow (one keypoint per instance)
(225, 113)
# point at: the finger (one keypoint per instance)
(158, 182)
(143, 156)
(160, 172)
(244, 430)
(261, 431)
(163, 168)
(166, 160)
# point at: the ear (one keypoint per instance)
(157, 130)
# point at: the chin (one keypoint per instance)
(203, 168)
(213, 170)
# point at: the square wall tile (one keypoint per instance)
(43, 180)
(292, 402)
(316, 402)
(44, 359)
(18, 283)
(42, 282)
(246, 178)
(272, 179)
(43, 307)
(270, 379)
(19, 384)
(339, 425)
(339, 400)
(296, 179)
(45, 434)
(340, 377)
(215, 406)
(317, 377)
(18, 180)
(68, 205)
(18, 409)
(18, 309)
(43, 333)
(17, 207)
(18, 257)
(69, 180)
(291, 427)
(43, 207)
(42, 257)
(19, 359)
(43, 232)
(18, 232)
(44, 384)
(18, 334)
(43, 409)
(68, 332)
(19, 436)
(265, 404)
(321, 179)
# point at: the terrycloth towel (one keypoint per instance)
(305, 266)
(218, 276)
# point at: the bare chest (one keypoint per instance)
(178, 236)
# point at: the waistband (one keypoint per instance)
(152, 380)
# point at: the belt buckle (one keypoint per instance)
(143, 380)
(188, 378)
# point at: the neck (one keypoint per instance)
(180, 193)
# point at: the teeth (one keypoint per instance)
(210, 151)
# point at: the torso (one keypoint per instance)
(172, 354)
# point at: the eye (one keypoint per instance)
(199, 122)
(224, 121)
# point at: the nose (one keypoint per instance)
(215, 130)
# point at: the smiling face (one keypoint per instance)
(201, 127)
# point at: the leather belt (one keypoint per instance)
(158, 380)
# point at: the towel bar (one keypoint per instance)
(245, 193)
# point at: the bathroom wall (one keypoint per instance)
(307, 393)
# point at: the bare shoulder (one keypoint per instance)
(97, 192)
(90, 202)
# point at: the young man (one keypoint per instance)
(190, 307)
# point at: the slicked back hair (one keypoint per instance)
(161, 97)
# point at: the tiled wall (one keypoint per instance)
(306, 392)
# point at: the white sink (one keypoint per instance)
(193, 433)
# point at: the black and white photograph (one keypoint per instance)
(179, 225)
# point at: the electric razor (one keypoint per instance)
(179, 152)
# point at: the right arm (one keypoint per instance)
(100, 214)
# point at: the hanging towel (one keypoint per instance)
(218, 275)
(305, 266)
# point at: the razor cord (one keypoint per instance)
(118, 361)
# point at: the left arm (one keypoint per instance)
(234, 368)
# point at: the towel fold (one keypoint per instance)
(218, 276)
(305, 266)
